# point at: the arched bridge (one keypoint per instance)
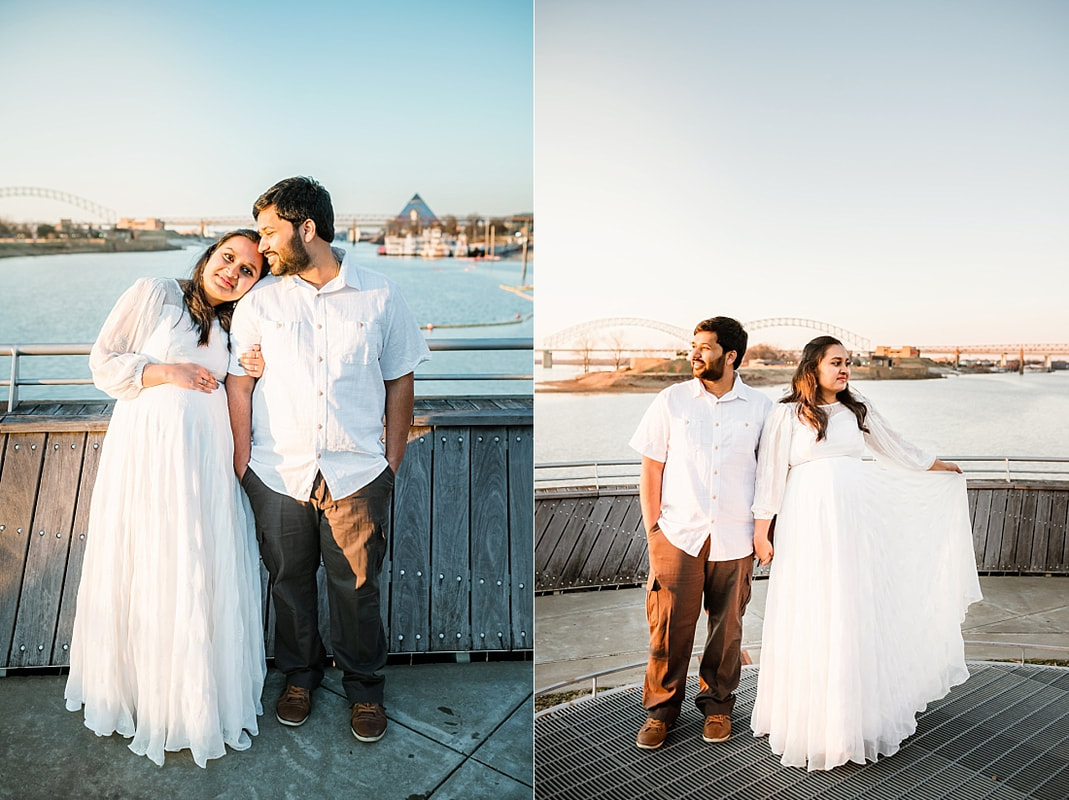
(577, 333)
(97, 210)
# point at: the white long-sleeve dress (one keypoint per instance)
(168, 638)
(872, 574)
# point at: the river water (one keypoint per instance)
(65, 299)
(961, 415)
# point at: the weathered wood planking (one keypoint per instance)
(1017, 529)
(23, 456)
(480, 527)
(79, 532)
(450, 560)
(491, 628)
(521, 535)
(411, 546)
(50, 535)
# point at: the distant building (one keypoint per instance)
(883, 351)
(417, 213)
(148, 224)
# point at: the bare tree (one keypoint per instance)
(616, 346)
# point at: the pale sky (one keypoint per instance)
(193, 108)
(899, 169)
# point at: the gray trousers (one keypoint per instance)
(350, 536)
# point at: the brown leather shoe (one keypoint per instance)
(717, 728)
(294, 706)
(369, 721)
(651, 735)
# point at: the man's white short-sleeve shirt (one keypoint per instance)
(320, 403)
(709, 449)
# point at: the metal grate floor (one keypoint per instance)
(1002, 735)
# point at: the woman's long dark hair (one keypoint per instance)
(196, 300)
(805, 390)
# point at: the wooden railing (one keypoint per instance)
(457, 576)
(592, 537)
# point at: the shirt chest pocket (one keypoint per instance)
(696, 434)
(742, 437)
(357, 342)
(281, 342)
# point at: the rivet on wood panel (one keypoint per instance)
(458, 635)
(3, 527)
(400, 637)
(96, 445)
(418, 637)
(441, 635)
(497, 438)
(22, 648)
(18, 446)
(40, 533)
(521, 585)
(402, 572)
(419, 573)
(480, 439)
(19, 530)
(523, 634)
(441, 576)
(66, 647)
(55, 446)
(459, 578)
(499, 583)
(499, 635)
(481, 580)
(33, 447)
(59, 535)
(74, 447)
(482, 635)
(81, 535)
(40, 647)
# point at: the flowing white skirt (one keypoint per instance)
(168, 638)
(872, 575)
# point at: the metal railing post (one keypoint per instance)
(13, 387)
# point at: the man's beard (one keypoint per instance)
(714, 371)
(293, 260)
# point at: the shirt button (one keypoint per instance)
(319, 327)
(718, 424)
(320, 427)
(320, 358)
(319, 393)
(319, 455)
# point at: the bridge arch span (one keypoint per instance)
(105, 214)
(849, 338)
(576, 333)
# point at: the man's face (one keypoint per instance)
(707, 357)
(281, 244)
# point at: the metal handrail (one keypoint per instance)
(18, 351)
(595, 467)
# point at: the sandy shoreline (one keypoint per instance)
(615, 382)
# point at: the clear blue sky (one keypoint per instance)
(194, 108)
(900, 169)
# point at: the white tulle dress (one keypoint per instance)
(872, 574)
(168, 639)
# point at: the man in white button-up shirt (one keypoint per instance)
(699, 442)
(339, 346)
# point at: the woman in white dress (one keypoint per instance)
(872, 575)
(168, 637)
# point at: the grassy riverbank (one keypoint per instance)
(53, 247)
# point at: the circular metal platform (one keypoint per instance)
(1002, 735)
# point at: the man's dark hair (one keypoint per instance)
(297, 199)
(730, 335)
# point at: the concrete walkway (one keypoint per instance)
(584, 632)
(455, 731)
